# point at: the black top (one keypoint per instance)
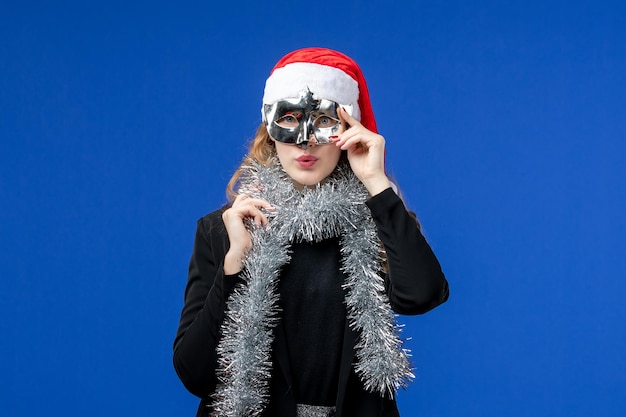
(314, 315)
(414, 283)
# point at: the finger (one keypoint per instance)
(239, 198)
(258, 217)
(347, 117)
(352, 144)
(364, 136)
(248, 212)
(356, 139)
(256, 202)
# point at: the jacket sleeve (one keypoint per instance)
(414, 282)
(195, 357)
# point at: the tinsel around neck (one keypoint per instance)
(334, 208)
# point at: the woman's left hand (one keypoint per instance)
(366, 153)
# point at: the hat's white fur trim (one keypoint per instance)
(324, 82)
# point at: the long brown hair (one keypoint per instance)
(261, 149)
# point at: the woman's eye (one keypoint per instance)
(325, 121)
(288, 120)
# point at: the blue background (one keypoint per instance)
(121, 122)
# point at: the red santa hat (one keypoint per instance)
(328, 74)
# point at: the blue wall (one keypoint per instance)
(120, 125)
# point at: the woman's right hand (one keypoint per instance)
(234, 218)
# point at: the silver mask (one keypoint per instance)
(296, 121)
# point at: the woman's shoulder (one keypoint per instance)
(212, 222)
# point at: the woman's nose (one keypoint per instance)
(311, 142)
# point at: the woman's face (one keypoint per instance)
(310, 166)
(302, 128)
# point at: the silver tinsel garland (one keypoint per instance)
(334, 208)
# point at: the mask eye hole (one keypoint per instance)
(289, 120)
(325, 121)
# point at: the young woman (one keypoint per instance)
(294, 284)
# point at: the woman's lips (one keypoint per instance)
(306, 161)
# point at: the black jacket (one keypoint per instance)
(415, 284)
